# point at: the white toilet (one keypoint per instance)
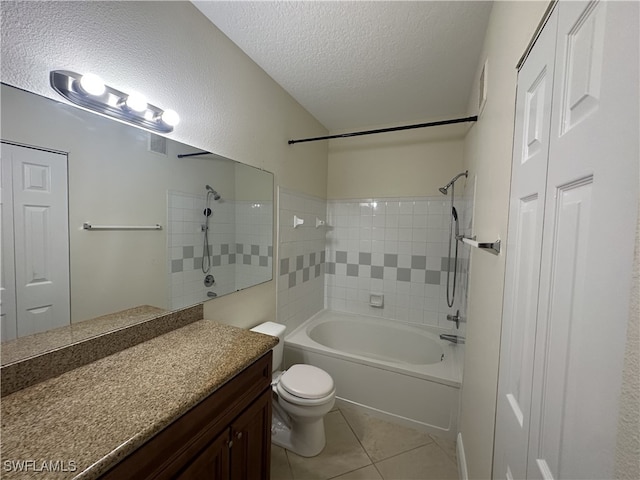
(303, 395)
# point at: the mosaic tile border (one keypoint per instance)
(299, 269)
(416, 271)
(230, 254)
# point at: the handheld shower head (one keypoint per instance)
(216, 195)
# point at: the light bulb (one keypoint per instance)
(92, 84)
(170, 117)
(136, 102)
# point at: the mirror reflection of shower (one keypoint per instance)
(206, 248)
(454, 232)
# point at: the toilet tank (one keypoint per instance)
(275, 330)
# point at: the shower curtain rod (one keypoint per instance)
(184, 155)
(390, 129)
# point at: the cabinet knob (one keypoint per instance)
(230, 443)
(239, 435)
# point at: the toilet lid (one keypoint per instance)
(306, 381)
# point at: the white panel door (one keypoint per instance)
(8, 324)
(589, 226)
(40, 215)
(528, 184)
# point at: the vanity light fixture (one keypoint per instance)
(136, 102)
(170, 117)
(92, 84)
(89, 91)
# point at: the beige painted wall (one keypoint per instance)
(487, 155)
(628, 441)
(173, 54)
(407, 163)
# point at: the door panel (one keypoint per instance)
(212, 463)
(8, 323)
(564, 374)
(584, 44)
(41, 236)
(590, 219)
(531, 146)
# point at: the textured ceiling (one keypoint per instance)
(354, 64)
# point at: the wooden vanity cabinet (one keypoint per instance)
(226, 436)
(238, 453)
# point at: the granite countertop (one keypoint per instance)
(90, 418)
(36, 344)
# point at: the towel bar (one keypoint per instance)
(89, 226)
(491, 247)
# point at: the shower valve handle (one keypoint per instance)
(455, 318)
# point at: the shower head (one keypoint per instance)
(216, 195)
(444, 189)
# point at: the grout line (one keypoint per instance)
(407, 451)
(431, 440)
(286, 455)
(350, 471)
(378, 470)
(356, 435)
(454, 460)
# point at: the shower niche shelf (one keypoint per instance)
(491, 247)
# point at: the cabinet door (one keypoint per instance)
(251, 436)
(212, 463)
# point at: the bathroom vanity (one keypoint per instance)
(196, 399)
(226, 436)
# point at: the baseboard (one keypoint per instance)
(462, 461)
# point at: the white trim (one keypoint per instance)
(463, 474)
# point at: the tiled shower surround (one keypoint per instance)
(301, 269)
(396, 247)
(239, 240)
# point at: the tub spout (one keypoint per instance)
(452, 338)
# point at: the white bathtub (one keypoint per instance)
(396, 371)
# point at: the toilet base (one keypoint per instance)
(304, 439)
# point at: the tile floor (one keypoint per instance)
(362, 447)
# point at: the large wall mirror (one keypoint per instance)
(163, 231)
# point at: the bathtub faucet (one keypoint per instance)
(452, 338)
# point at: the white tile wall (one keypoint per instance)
(394, 246)
(397, 247)
(300, 272)
(254, 231)
(233, 226)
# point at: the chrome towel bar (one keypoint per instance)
(491, 247)
(89, 226)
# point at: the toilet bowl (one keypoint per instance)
(303, 395)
